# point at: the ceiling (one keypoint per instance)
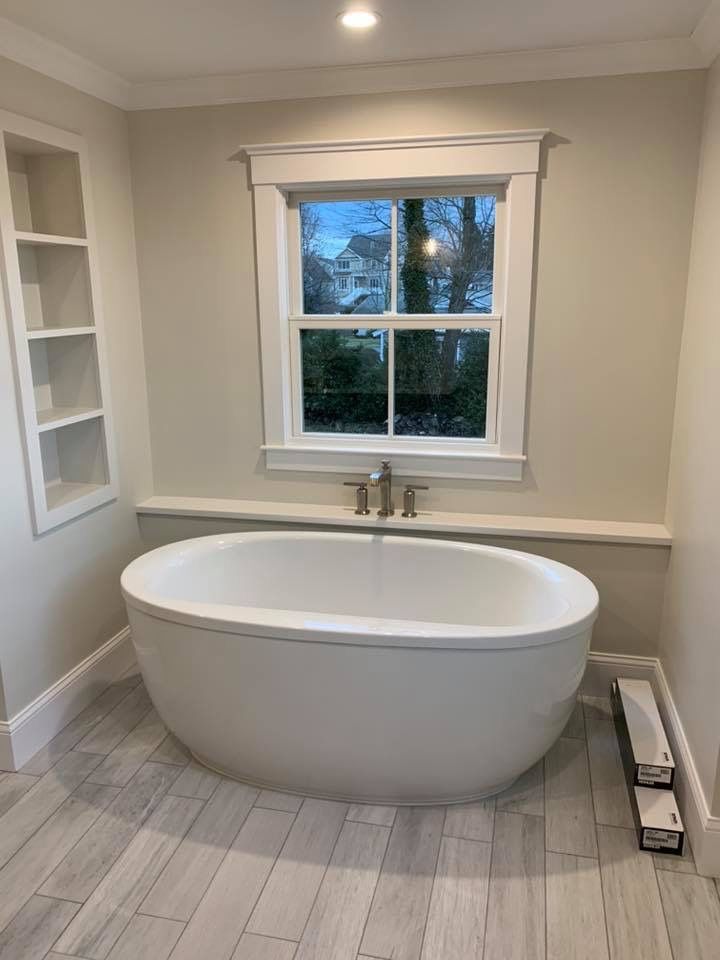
(141, 42)
(173, 39)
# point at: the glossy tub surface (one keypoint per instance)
(367, 667)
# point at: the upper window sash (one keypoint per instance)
(295, 266)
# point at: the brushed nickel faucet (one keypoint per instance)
(382, 478)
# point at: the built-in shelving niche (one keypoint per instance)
(52, 297)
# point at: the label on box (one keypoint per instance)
(648, 774)
(662, 839)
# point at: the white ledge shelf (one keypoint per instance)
(53, 417)
(541, 528)
(49, 333)
(48, 239)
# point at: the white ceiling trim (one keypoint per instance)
(31, 50)
(706, 35)
(644, 56)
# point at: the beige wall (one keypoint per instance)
(630, 579)
(616, 206)
(690, 640)
(59, 593)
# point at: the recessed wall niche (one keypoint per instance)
(53, 297)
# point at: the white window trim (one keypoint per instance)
(278, 170)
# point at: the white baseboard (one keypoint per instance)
(702, 828)
(37, 723)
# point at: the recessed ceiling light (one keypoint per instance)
(358, 19)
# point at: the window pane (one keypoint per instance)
(441, 379)
(345, 381)
(345, 249)
(445, 254)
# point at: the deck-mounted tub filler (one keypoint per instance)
(364, 667)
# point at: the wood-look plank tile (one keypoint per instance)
(569, 815)
(131, 675)
(36, 928)
(607, 777)
(147, 938)
(335, 925)
(471, 821)
(692, 911)
(253, 947)
(83, 868)
(633, 911)
(456, 919)
(575, 727)
(181, 885)
(195, 781)
(683, 864)
(597, 708)
(381, 816)
(273, 800)
(399, 909)
(516, 902)
(24, 873)
(109, 732)
(120, 766)
(575, 916)
(217, 924)
(106, 913)
(526, 795)
(42, 800)
(76, 729)
(171, 750)
(12, 787)
(284, 907)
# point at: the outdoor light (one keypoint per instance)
(358, 19)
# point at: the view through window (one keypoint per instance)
(402, 286)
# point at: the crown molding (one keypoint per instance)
(706, 35)
(31, 50)
(646, 56)
(597, 60)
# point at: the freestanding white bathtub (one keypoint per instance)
(366, 667)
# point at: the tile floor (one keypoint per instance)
(114, 845)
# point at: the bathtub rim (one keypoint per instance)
(313, 627)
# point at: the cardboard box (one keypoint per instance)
(660, 828)
(643, 744)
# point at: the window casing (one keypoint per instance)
(502, 165)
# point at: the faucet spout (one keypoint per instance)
(382, 478)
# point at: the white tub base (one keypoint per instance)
(372, 707)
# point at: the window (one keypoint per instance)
(423, 355)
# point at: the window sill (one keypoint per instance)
(487, 525)
(455, 463)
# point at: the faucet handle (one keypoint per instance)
(361, 497)
(409, 499)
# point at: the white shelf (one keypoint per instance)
(61, 493)
(48, 240)
(48, 247)
(488, 525)
(48, 333)
(52, 418)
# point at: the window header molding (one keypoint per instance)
(399, 160)
(277, 170)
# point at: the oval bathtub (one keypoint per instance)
(364, 667)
